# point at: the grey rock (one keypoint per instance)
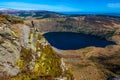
(114, 78)
(9, 70)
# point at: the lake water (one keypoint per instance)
(72, 41)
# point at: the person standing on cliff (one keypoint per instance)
(32, 22)
(33, 26)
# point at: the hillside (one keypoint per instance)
(105, 27)
(26, 55)
(93, 63)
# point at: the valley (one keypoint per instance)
(46, 45)
(90, 62)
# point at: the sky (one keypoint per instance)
(64, 5)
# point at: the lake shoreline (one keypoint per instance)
(74, 41)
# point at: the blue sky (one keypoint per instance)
(64, 5)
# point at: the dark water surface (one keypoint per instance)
(72, 41)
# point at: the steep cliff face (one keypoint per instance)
(26, 55)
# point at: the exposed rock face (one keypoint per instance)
(25, 33)
(9, 53)
(26, 55)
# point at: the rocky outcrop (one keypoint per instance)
(26, 55)
(9, 53)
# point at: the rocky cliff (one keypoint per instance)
(26, 55)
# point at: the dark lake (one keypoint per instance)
(72, 41)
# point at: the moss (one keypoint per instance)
(20, 63)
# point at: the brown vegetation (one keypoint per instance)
(92, 25)
(7, 18)
(17, 20)
(93, 63)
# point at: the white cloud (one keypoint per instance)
(30, 6)
(113, 5)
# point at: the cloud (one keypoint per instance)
(30, 6)
(113, 5)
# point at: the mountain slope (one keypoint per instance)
(101, 26)
(26, 55)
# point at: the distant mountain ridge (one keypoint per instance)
(50, 14)
(32, 13)
(6, 9)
